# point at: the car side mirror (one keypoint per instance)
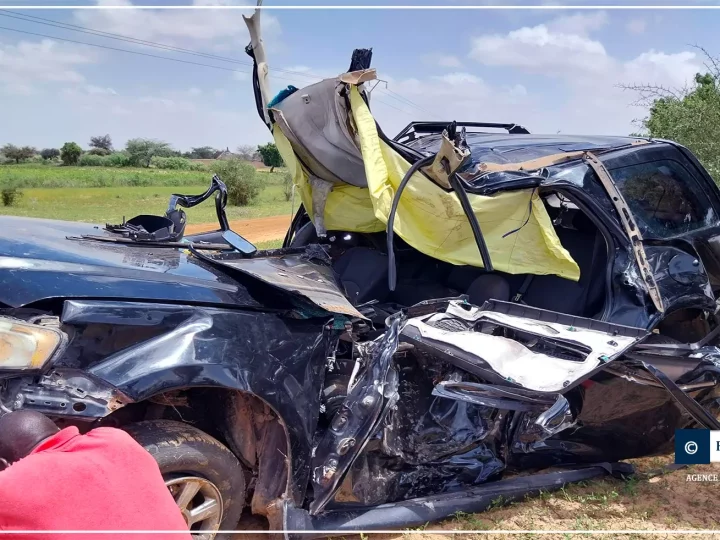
(238, 242)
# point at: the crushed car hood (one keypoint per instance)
(38, 261)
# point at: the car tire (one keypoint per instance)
(185, 453)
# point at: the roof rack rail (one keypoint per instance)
(413, 129)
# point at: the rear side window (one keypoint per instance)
(664, 198)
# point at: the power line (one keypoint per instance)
(109, 35)
(156, 57)
(154, 44)
(127, 51)
(402, 98)
(130, 39)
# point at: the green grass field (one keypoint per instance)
(73, 193)
(43, 176)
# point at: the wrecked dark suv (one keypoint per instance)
(451, 307)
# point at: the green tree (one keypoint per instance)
(141, 151)
(270, 156)
(18, 153)
(49, 153)
(70, 153)
(689, 116)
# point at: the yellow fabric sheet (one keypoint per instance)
(348, 208)
(432, 220)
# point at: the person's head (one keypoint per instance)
(21, 432)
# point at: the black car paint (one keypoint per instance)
(186, 321)
(141, 350)
(197, 324)
(38, 263)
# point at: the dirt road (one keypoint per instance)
(255, 230)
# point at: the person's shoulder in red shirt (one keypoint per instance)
(61, 480)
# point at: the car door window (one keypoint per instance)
(664, 198)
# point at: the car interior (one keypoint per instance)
(363, 271)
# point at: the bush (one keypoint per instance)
(10, 195)
(198, 166)
(174, 163)
(98, 152)
(241, 180)
(70, 153)
(287, 186)
(118, 159)
(92, 160)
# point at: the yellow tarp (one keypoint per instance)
(432, 220)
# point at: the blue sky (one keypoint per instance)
(550, 70)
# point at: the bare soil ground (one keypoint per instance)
(256, 230)
(650, 505)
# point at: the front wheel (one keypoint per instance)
(205, 478)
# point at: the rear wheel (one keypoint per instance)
(204, 476)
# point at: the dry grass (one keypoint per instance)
(647, 506)
(648, 503)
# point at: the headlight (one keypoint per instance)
(26, 346)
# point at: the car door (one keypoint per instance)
(675, 212)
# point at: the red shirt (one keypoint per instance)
(103, 480)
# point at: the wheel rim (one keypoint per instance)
(200, 503)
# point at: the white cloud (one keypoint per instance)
(540, 50)
(636, 26)
(579, 23)
(674, 70)
(442, 60)
(459, 78)
(517, 90)
(216, 29)
(92, 89)
(581, 72)
(26, 66)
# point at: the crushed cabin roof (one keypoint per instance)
(507, 148)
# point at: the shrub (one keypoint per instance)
(92, 160)
(118, 159)
(198, 166)
(287, 186)
(70, 153)
(10, 194)
(241, 180)
(174, 163)
(98, 152)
